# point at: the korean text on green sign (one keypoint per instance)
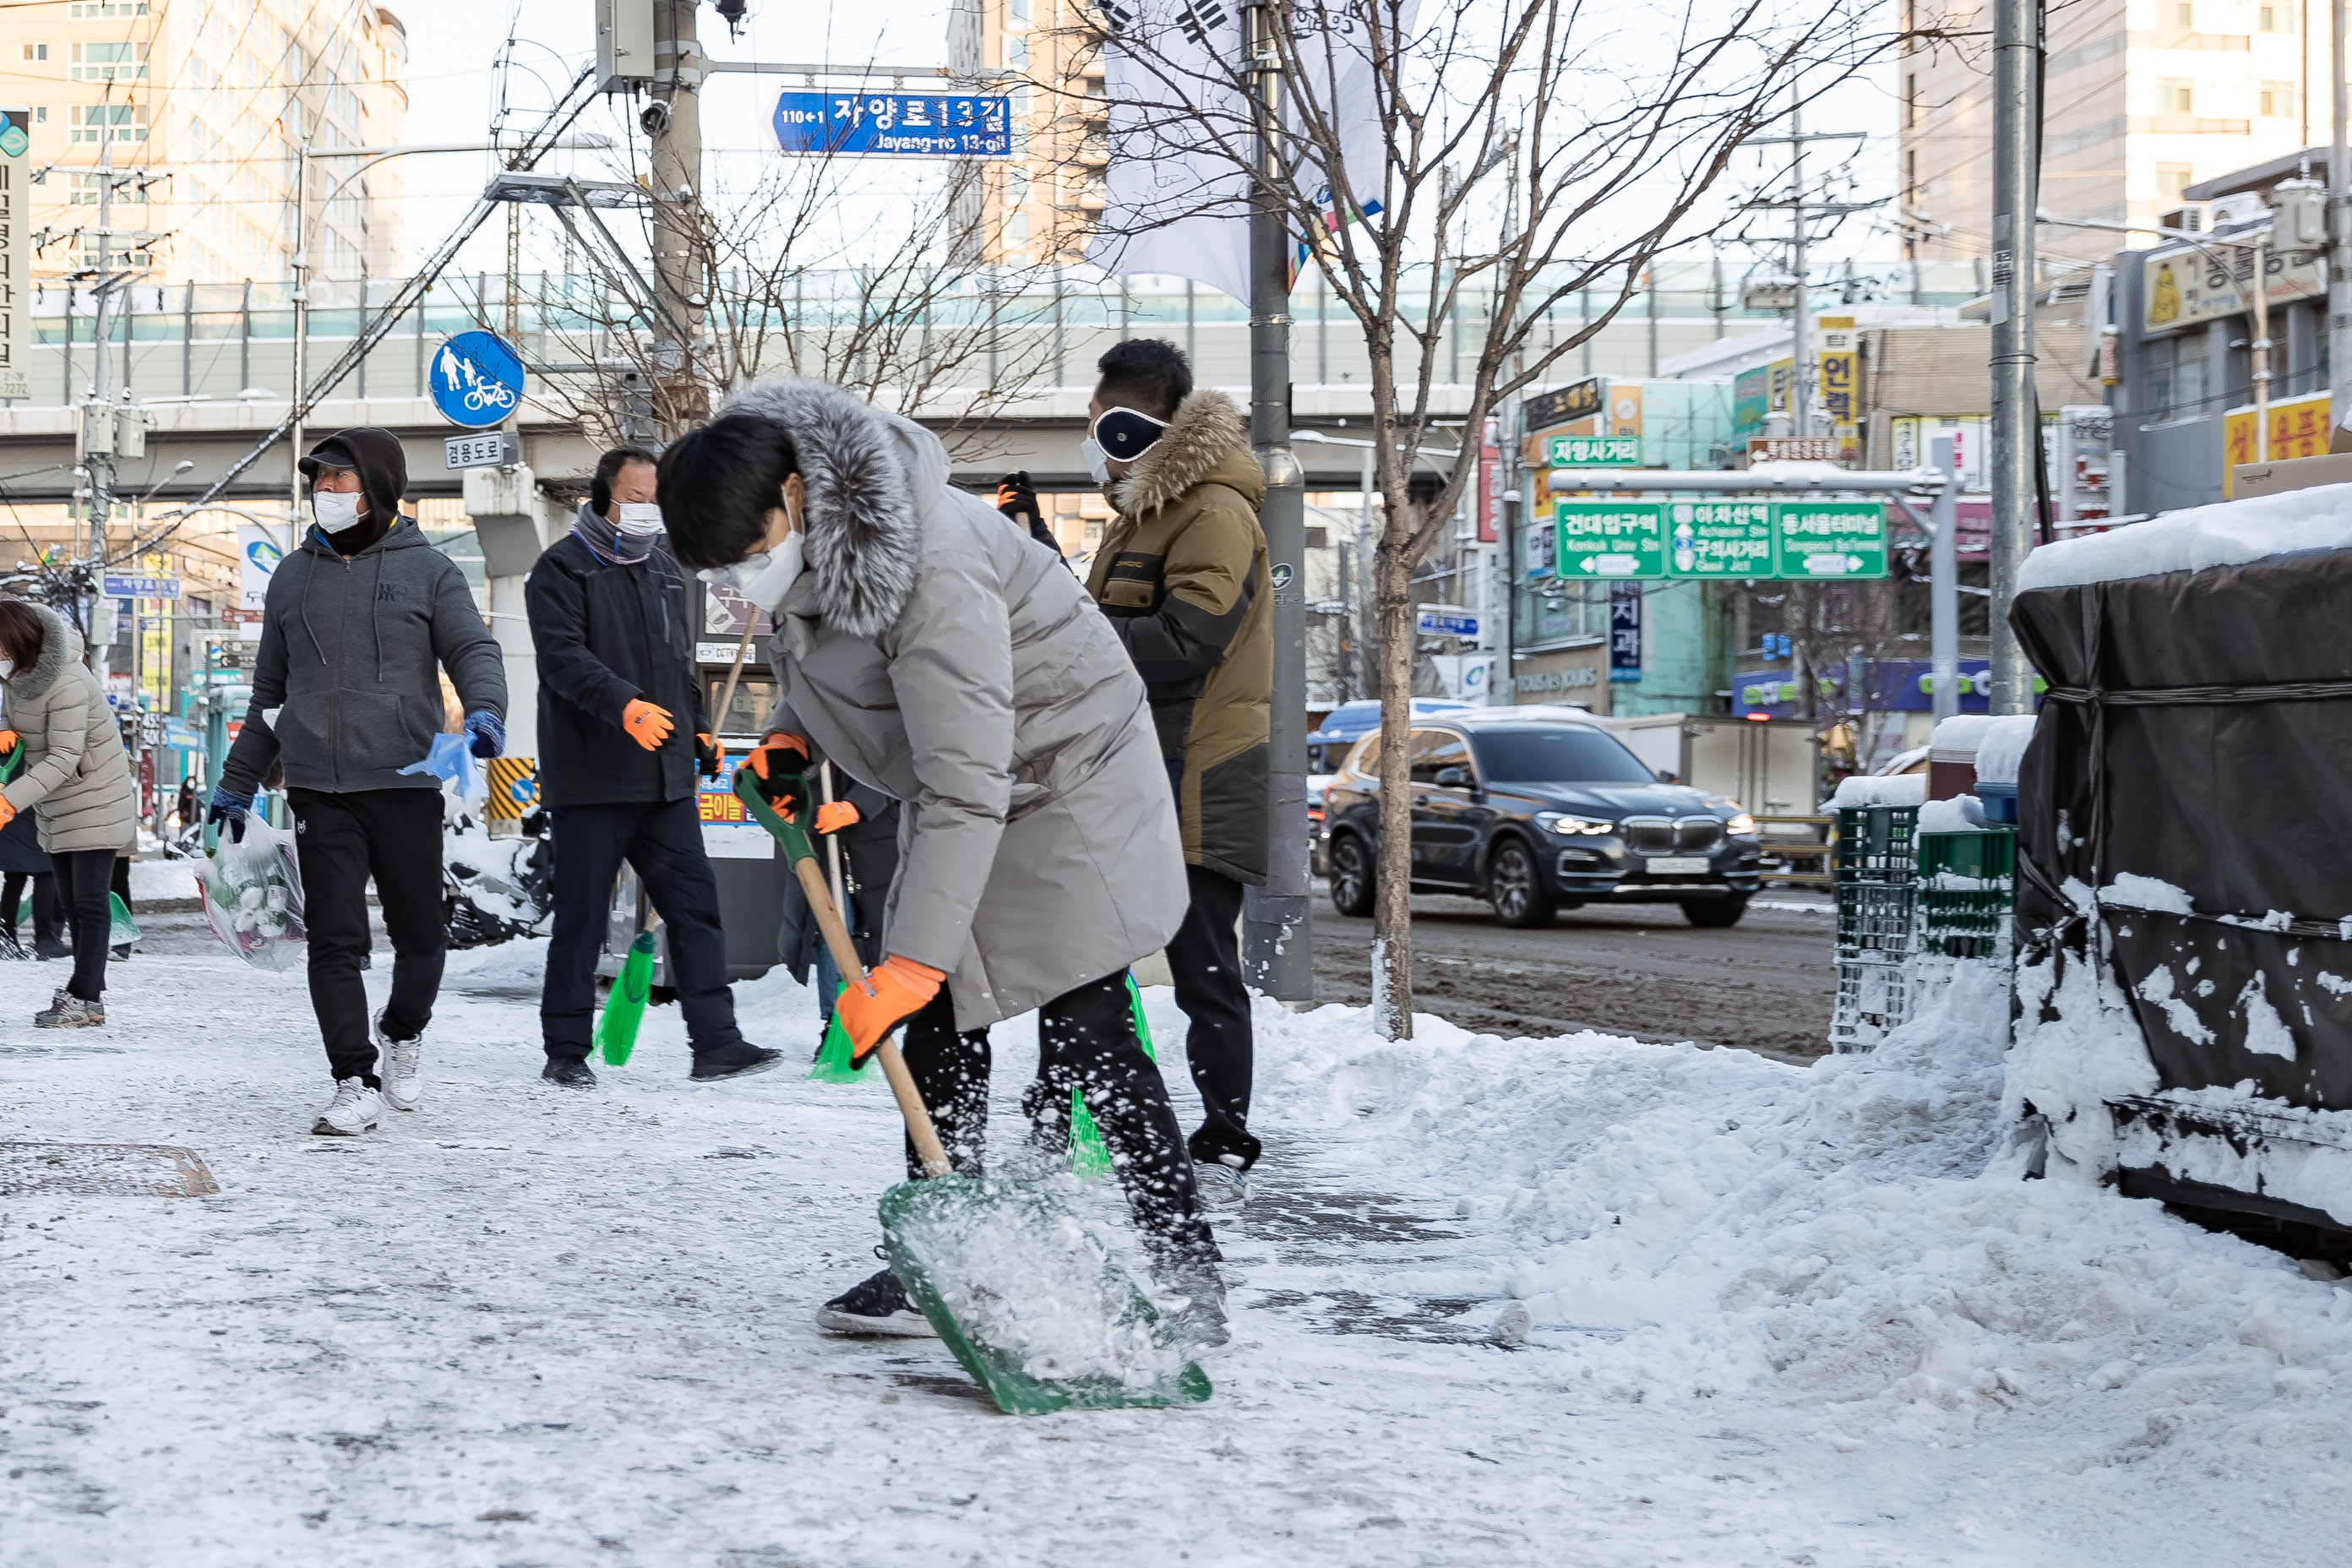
(1596, 451)
(1720, 538)
(1820, 539)
(1611, 539)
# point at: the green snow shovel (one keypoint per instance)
(1088, 1157)
(625, 1007)
(1029, 1299)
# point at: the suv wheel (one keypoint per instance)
(1714, 912)
(1516, 888)
(1351, 875)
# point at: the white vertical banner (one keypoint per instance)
(16, 256)
(258, 555)
(1177, 188)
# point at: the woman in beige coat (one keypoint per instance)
(76, 771)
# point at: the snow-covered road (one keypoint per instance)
(1764, 1315)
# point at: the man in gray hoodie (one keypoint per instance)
(357, 625)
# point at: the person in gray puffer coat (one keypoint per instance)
(76, 771)
(956, 666)
(357, 625)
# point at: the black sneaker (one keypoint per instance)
(877, 1306)
(569, 1071)
(50, 947)
(739, 1060)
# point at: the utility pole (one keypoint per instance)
(1801, 400)
(673, 125)
(97, 411)
(302, 262)
(2016, 442)
(1277, 951)
(2339, 230)
(966, 216)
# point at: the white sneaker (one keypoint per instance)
(404, 1067)
(356, 1108)
(1219, 1185)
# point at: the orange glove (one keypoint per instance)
(835, 814)
(7, 812)
(894, 992)
(8, 739)
(647, 725)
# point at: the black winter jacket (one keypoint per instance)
(606, 634)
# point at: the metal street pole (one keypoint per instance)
(301, 259)
(2339, 229)
(1277, 951)
(1801, 402)
(1943, 581)
(100, 406)
(673, 157)
(2016, 446)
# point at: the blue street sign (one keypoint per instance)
(142, 587)
(1446, 621)
(896, 124)
(477, 379)
(1624, 631)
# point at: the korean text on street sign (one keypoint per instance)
(16, 256)
(1830, 539)
(1611, 539)
(495, 449)
(896, 124)
(1624, 631)
(1595, 451)
(1720, 538)
(477, 379)
(142, 587)
(1446, 621)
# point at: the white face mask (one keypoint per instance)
(1098, 460)
(640, 518)
(764, 578)
(336, 510)
(7, 668)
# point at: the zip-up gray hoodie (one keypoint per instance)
(351, 655)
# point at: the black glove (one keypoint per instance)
(1016, 498)
(229, 810)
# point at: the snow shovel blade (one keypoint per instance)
(832, 1064)
(1030, 1301)
(1088, 1156)
(121, 930)
(624, 1010)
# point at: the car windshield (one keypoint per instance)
(1570, 755)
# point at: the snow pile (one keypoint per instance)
(1956, 738)
(1959, 814)
(2229, 533)
(2000, 748)
(1903, 789)
(1852, 1239)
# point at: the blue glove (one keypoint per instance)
(487, 732)
(229, 810)
(447, 759)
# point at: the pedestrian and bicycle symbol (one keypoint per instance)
(477, 379)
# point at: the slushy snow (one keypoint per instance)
(1496, 1302)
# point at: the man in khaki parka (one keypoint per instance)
(1182, 575)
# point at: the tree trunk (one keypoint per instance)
(1393, 878)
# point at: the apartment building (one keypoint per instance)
(206, 103)
(1040, 205)
(2141, 99)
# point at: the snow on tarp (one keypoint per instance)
(1958, 813)
(2229, 533)
(2000, 747)
(1860, 789)
(1956, 736)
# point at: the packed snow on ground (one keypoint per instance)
(1498, 1301)
(2227, 533)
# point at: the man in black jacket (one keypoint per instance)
(620, 736)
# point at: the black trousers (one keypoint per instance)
(84, 878)
(1204, 957)
(341, 840)
(663, 839)
(46, 912)
(1086, 1041)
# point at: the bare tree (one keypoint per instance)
(811, 271)
(1613, 126)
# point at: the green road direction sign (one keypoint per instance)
(1829, 539)
(1720, 538)
(1596, 451)
(1611, 539)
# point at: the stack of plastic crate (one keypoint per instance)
(1968, 888)
(1876, 878)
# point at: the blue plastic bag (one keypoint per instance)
(448, 759)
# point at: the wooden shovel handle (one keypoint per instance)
(894, 1065)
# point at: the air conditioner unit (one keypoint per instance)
(2187, 219)
(1769, 293)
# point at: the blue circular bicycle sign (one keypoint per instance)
(477, 379)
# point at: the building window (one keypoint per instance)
(2173, 96)
(1910, 99)
(2274, 18)
(2277, 100)
(129, 122)
(109, 62)
(100, 9)
(2184, 15)
(86, 187)
(2176, 377)
(1019, 10)
(2172, 182)
(37, 52)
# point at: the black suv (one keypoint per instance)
(1542, 813)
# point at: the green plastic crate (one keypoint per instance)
(1967, 889)
(1874, 921)
(1874, 844)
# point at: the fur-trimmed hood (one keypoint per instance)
(869, 476)
(60, 646)
(1206, 440)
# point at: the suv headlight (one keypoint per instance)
(1568, 827)
(1740, 825)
